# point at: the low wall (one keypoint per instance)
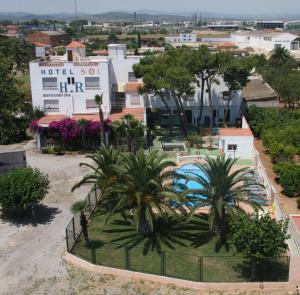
(167, 280)
(12, 160)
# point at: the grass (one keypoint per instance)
(177, 249)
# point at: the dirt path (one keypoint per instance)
(30, 252)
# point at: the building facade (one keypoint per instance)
(192, 106)
(265, 41)
(269, 25)
(182, 38)
(66, 86)
(51, 38)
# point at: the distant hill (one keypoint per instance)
(143, 15)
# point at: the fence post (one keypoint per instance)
(163, 263)
(73, 224)
(67, 240)
(89, 200)
(200, 268)
(127, 258)
(94, 258)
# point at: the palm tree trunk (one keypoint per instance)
(169, 112)
(208, 83)
(102, 132)
(201, 101)
(144, 228)
(227, 109)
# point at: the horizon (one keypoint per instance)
(231, 7)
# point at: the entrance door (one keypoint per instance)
(189, 116)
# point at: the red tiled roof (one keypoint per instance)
(102, 52)
(138, 113)
(235, 132)
(40, 44)
(90, 117)
(50, 118)
(75, 44)
(132, 86)
(115, 115)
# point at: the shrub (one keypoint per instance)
(283, 153)
(21, 187)
(259, 237)
(289, 175)
(45, 150)
(58, 150)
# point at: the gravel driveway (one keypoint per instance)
(31, 249)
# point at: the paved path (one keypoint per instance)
(31, 250)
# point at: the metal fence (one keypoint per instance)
(73, 229)
(181, 265)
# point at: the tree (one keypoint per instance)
(144, 188)
(260, 237)
(279, 57)
(222, 191)
(235, 74)
(99, 101)
(22, 187)
(13, 105)
(82, 123)
(79, 207)
(139, 41)
(153, 71)
(131, 129)
(103, 173)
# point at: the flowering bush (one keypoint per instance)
(70, 129)
(34, 126)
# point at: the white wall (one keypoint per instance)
(245, 146)
(265, 41)
(193, 103)
(72, 98)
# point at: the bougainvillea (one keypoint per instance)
(35, 127)
(70, 129)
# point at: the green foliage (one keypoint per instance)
(259, 237)
(289, 175)
(282, 153)
(280, 131)
(279, 57)
(194, 138)
(22, 186)
(222, 190)
(298, 202)
(78, 207)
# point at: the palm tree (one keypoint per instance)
(279, 57)
(145, 188)
(78, 207)
(130, 128)
(222, 191)
(82, 123)
(104, 172)
(99, 101)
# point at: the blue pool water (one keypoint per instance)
(190, 170)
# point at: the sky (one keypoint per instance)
(100, 6)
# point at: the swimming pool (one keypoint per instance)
(190, 170)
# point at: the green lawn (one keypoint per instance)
(181, 250)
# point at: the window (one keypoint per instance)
(131, 77)
(49, 83)
(91, 104)
(119, 94)
(71, 80)
(135, 100)
(232, 147)
(277, 46)
(51, 105)
(92, 82)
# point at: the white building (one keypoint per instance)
(65, 86)
(192, 106)
(182, 38)
(265, 42)
(237, 142)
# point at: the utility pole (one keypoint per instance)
(76, 16)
